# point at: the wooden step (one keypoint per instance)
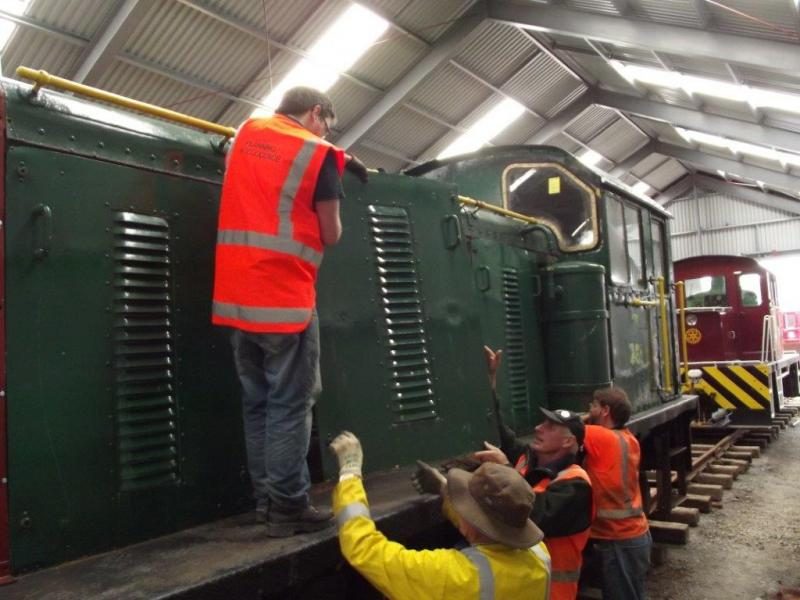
(666, 532)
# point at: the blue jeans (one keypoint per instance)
(625, 564)
(280, 380)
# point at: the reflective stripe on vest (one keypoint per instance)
(351, 511)
(264, 241)
(485, 575)
(540, 551)
(290, 186)
(566, 576)
(251, 314)
(628, 510)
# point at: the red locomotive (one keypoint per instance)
(731, 333)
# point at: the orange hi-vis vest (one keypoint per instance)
(268, 239)
(612, 461)
(566, 552)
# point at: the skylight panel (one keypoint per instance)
(741, 148)
(489, 126)
(7, 28)
(590, 158)
(693, 84)
(335, 51)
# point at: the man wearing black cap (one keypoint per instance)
(505, 560)
(563, 507)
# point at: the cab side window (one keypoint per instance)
(706, 291)
(557, 198)
(750, 289)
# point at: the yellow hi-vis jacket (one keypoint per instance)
(482, 572)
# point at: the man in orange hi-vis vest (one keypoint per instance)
(563, 505)
(620, 533)
(279, 209)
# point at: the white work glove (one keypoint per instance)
(428, 480)
(348, 452)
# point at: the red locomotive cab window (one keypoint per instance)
(750, 290)
(706, 291)
(557, 198)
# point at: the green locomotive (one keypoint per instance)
(120, 406)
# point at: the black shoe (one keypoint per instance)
(285, 524)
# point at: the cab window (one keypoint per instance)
(706, 291)
(750, 289)
(551, 194)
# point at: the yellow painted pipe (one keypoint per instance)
(662, 297)
(680, 292)
(638, 302)
(497, 209)
(43, 78)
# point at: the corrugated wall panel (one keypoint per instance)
(731, 241)
(685, 246)
(721, 210)
(495, 51)
(684, 214)
(780, 237)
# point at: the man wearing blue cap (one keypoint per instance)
(563, 507)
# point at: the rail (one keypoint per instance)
(768, 353)
(662, 299)
(44, 79)
(498, 210)
(680, 292)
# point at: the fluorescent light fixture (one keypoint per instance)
(521, 179)
(335, 51)
(742, 148)
(590, 158)
(641, 187)
(693, 84)
(486, 128)
(7, 28)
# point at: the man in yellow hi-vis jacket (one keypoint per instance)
(505, 559)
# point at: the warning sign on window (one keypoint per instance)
(554, 185)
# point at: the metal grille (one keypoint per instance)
(147, 444)
(515, 351)
(408, 359)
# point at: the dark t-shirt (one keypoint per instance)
(329, 183)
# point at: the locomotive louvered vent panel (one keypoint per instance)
(408, 359)
(147, 436)
(515, 352)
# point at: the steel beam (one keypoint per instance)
(700, 121)
(764, 54)
(675, 191)
(110, 42)
(709, 162)
(748, 194)
(444, 49)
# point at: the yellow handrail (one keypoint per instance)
(640, 302)
(498, 210)
(662, 298)
(43, 78)
(680, 292)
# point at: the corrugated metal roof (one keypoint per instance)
(279, 18)
(663, 176)
(616, 141)
(38, 50)
(461, 97)
(673, 12)
(350, 101)
(81, 17)
(596, 6)
(377, 160)
(591, 122)
(495, 51)
(388, 59)
(542, 84)
(780, 14)
(648, 164)
(425, 18)
(407, 131)
(520, 131)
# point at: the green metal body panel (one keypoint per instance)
(402, 359)
(123, 404)
(577, 336)
(632, 332)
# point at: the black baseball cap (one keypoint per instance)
(567, 418)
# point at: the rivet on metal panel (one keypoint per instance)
(175, 162)
(127, 150)
(152, 157)
(25, 522)
(101, 145)
(40, 131)
(72, 138)
(199, 167)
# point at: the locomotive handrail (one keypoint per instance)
(497, 209)
(706, 309)
(43, 78)
(662, 298)
(680, 290)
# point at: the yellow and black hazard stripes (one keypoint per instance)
(737, 387)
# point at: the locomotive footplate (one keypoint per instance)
(234, 558)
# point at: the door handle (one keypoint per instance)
(43, 233)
